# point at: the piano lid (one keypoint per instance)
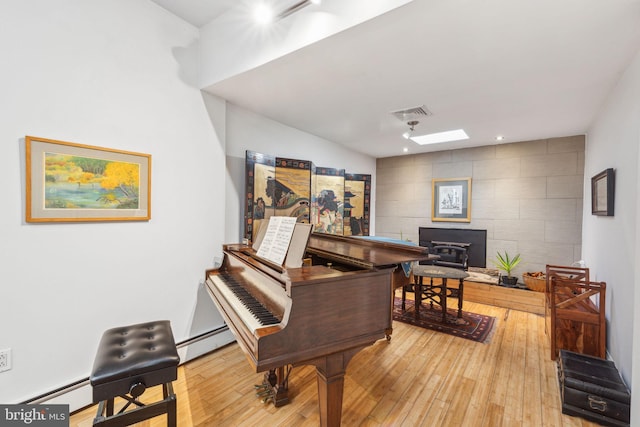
(374, 253)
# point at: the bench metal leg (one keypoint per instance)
(106, 418)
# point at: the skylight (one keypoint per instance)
(434, 138)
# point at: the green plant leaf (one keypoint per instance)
(505, 262)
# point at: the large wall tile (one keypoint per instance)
(520, 149)
(483, 189)
(453, 169)
(495, 209)
(567, 144)
(496, 169)
(562, 232)
(475, 153)
(550, 164)
(548, 209)
(564, 186)
(519, 229)
(423, 159)
(441, 156)
(387, 208)
(521, 188)
(545, 253)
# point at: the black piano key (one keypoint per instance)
(257, 310)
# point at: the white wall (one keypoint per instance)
(250, 131)
(610, 244)
(118, 74)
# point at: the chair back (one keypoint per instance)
(451, 256)
(566, 273)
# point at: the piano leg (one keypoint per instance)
(330, 373)
(387, 333)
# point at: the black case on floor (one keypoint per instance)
(592, 388)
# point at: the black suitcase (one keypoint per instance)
(592, 388)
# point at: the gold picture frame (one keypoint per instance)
(68, 182)
(451, 200)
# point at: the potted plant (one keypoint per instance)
(507, 264)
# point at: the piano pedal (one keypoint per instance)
(274, 387)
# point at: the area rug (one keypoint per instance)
(472, 326)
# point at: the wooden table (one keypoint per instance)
(440, 298)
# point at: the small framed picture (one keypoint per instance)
(67, 182)
(451, 200)
(602, 193)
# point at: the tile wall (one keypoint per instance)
(527, 195)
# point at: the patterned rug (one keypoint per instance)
(472, 326)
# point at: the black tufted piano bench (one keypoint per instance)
(129, 360)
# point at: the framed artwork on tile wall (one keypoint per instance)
(451, 200)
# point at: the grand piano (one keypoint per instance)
(320, 314)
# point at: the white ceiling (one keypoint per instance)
(519, 68)
(197, 12)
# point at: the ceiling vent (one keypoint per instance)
(412, 113)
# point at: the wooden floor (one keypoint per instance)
(419, 378)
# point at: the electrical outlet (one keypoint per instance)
(5, 360)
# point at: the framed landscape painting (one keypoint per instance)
(68, 182)
(451, 200)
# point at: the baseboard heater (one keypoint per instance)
(84, 382)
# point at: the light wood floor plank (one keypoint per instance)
(419, 378)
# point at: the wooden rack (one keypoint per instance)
(577, 316)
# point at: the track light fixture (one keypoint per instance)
(264, 13)
(412, 124)
(296, 7)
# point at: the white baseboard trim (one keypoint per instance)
(203, 344)
(79, 394)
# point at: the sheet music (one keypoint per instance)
(275, 243)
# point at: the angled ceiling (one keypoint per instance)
(197, 12)
(526, 70)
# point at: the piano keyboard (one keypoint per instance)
(252, 312)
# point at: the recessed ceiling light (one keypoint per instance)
(405, 150)
(499, 138)
(434, 138)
